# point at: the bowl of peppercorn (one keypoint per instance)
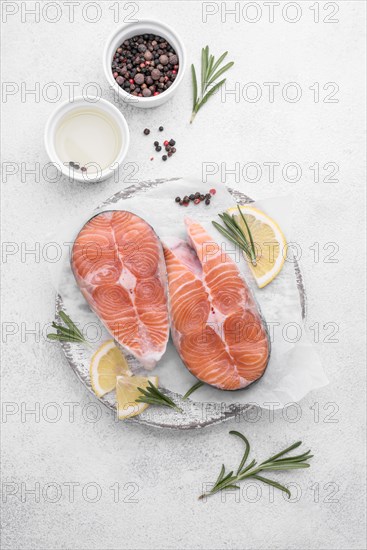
(144, 63)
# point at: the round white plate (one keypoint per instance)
(194, 414)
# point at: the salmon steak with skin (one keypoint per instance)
(216, 325)
(118, 263)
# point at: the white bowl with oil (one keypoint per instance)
(87, 139)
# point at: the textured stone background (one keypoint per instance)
(160, 473)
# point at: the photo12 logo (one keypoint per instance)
(70, 11)
(275, 92)
(69, 491)
(270, 12)
(52, 172)
(271, 171)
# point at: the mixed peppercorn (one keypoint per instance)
(169, 145)
(75, 166)
(145, 65)
(196, 198)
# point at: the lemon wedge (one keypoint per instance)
(270, 243)
(127, 393)
(106, 365)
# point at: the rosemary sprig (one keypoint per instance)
(153, 396)
(70, 333)
(229, 480)
(210, 72)
(234, 232)
(192, 389)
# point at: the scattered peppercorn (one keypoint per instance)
(169, 153)
(196, 198)
(156, 143)
(212, 191)
(158, 148)
(164, 157)
(172, 142)
(165, 143)
(83, 169)
(147, 131)
(173, 149)
(161, 128)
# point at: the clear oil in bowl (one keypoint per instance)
(89, 138)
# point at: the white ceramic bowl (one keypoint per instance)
(86, 103)
(147, 26)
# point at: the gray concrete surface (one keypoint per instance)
(159, 474)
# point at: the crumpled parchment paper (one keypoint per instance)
(294, 368)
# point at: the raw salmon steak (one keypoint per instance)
(215, 323)
(118, 263)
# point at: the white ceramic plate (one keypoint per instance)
(194, 414)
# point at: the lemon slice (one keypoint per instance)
(127, 392)
(107, 363)
(270, 243)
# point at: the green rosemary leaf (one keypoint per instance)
(220, 72)
(288, 450)
(221, 475)
(148, 400)
(154, 396)
(251, 249)
(233, 238)
(234, 227)
(285, 466)
(62, 338)
(299, 458)
(234, 231)
(194, 87)
(224, 232)
(210, 67)
(207, 58)
(247, 451)
(248, 231)
(53, 336)
(229, 236)
(210, 72)
(70, 333)
(62, 331)
(251, 465)
(273, 484)
(211, 92)
(219, 61)
(252, 471)
(204, 64)
(229, 478)
(70, 323)
(192, 389)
